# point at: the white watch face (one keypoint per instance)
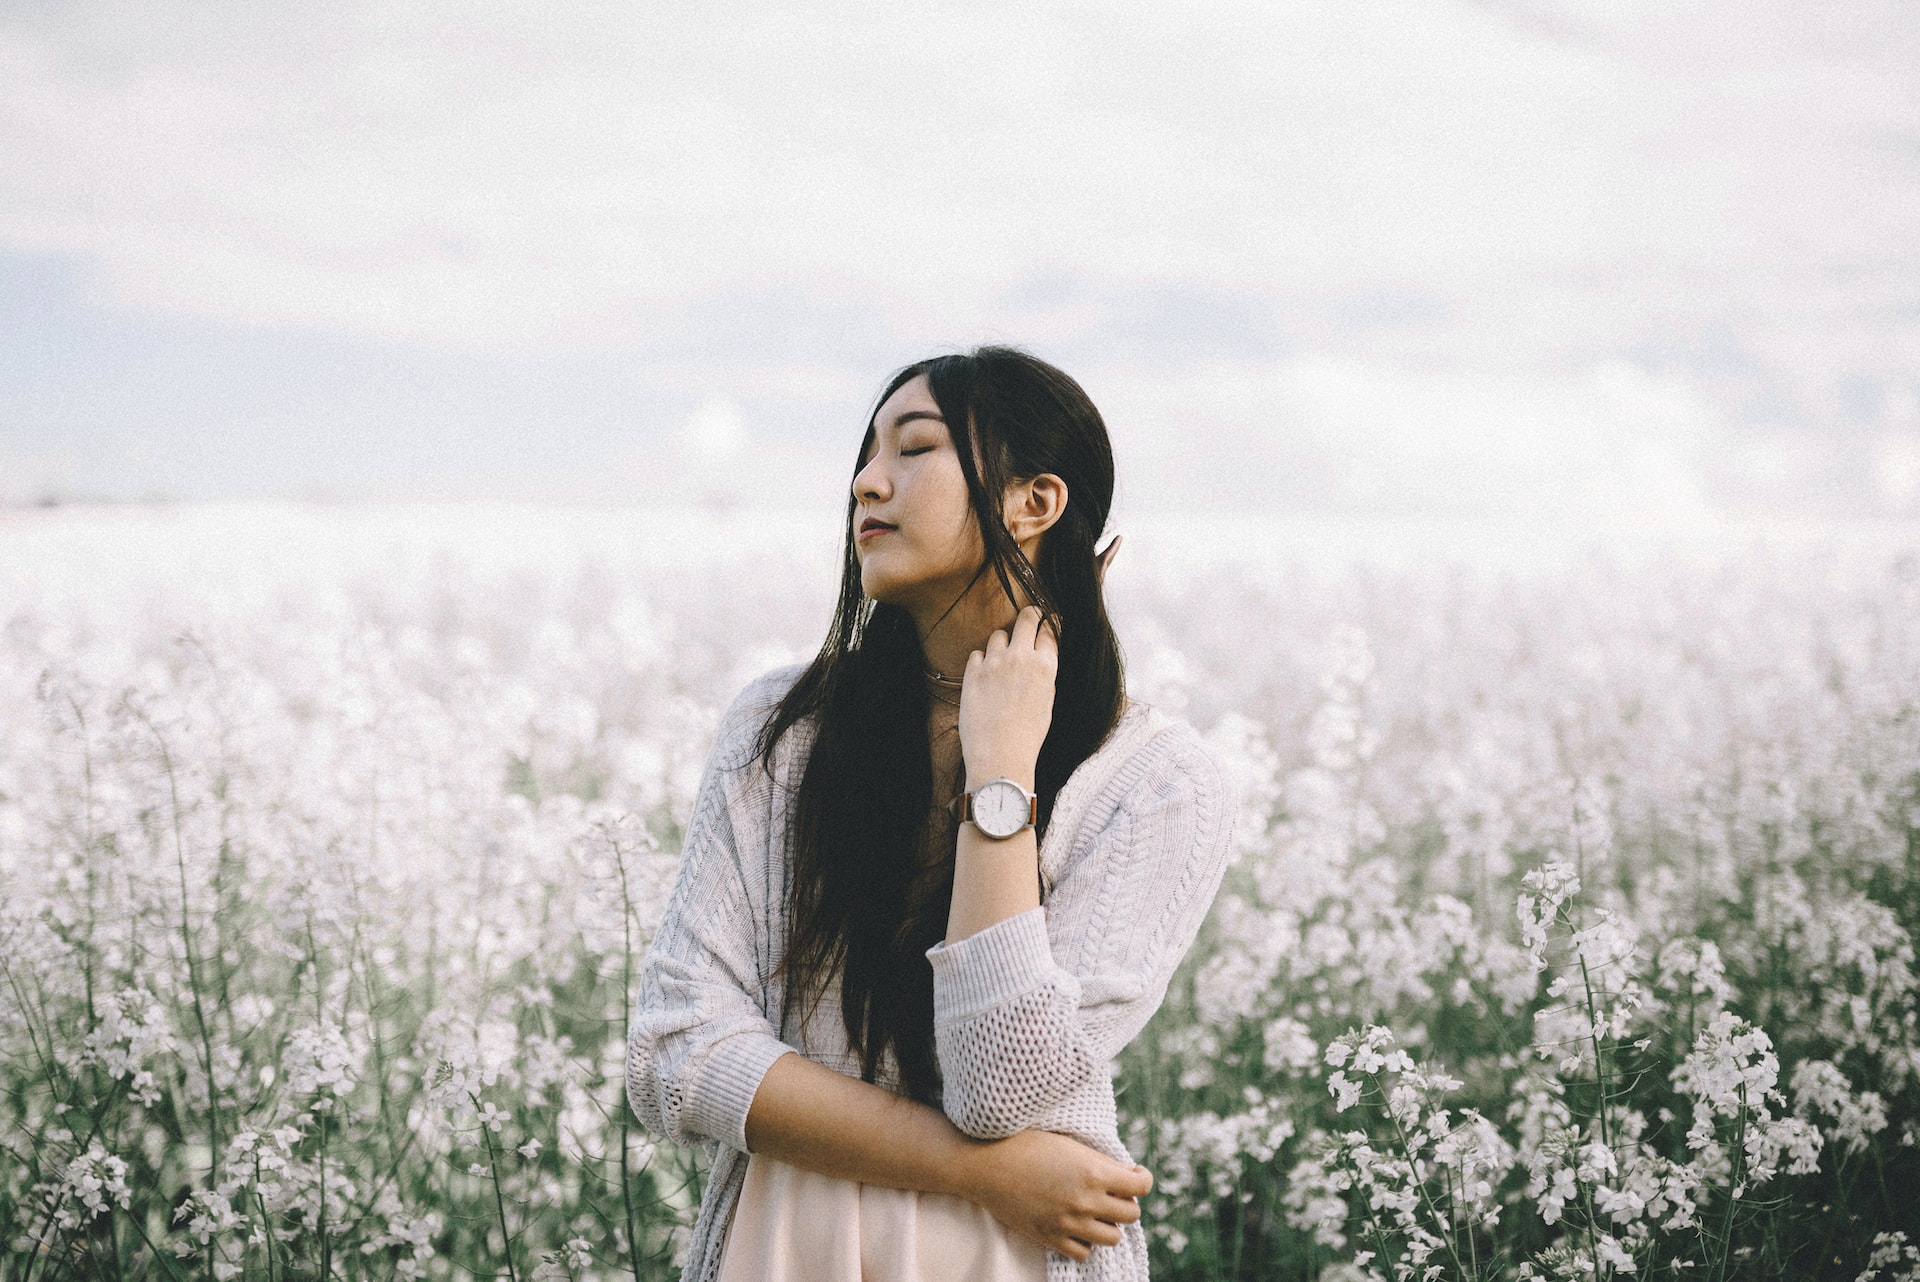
(1000, 808)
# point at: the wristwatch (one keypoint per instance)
(999, 808)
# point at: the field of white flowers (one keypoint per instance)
(1571, 933)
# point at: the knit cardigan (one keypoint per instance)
(1028, 1013)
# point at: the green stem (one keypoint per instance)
(1473, 1248)
(193, 965)
(626, 1024)
(40, 1247)
(159, 1259)
(396, 1152)
(1733, 1182)
(1413, 1174)
(1372, 1220)
(266, 1219)
(326, 1244)
(499, 1199)
(1599, 1063)
(1593, 1231)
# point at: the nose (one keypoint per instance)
(870, 483)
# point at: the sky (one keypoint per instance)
(1431, 258)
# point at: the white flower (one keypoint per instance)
(318, 1061)
(1288, 1046)
(95, 1180)
(1820, 1089)
(1612, 1254)
(208, 1213)
(579, 1253)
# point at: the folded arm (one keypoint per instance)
(702, 1045)
(705, 1064)
(810, 1116)
(1049, 1188)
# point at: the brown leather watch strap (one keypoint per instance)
(962, 808)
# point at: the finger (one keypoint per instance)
(1118, 1210)
(1135, 1181)
(998, 641)
(1073, 1248)
(1047, 640)
(1098, 1232)
(1025, 624)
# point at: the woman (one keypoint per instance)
(936, 878)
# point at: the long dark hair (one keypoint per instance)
(859, 900)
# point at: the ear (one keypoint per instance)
(1034, 505)
(1105, 558)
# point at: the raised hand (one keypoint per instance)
(1006, 701)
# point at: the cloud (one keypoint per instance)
(1334, 437)
(715, 434)
(1529, 255)
(531, 177)
(1897, 467)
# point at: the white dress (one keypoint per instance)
(793, 1225)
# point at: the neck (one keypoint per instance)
(944, 647)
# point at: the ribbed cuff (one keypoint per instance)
(729, 1078)
(991, 966)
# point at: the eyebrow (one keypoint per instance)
(915, 415)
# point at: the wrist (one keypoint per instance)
(964, 1173)
(978, 775)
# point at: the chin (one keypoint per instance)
(886, 589)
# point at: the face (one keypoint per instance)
(910, 478)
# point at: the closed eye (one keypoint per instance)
(924, 449)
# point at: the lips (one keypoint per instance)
(871, 524)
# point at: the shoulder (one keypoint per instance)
(1150, 835)
(1152, 765)
(1160, 759)
(1177, 765)
(740, 725)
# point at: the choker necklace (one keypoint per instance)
(950, 684)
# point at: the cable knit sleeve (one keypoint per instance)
(1030, 1007)
(700, 1044)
